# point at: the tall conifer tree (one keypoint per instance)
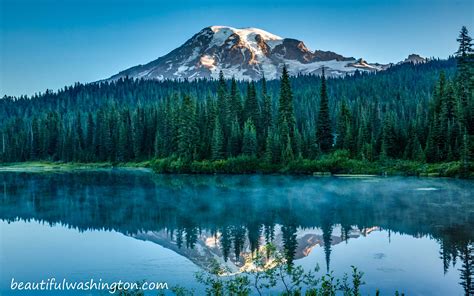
(323, 128)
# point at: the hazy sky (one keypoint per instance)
(53, 43)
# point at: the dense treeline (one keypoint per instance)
(420, 112)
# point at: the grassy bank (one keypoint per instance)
(52, 166)
(332, 164)
(336, 163)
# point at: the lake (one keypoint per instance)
(409, 234)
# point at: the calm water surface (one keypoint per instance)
(409, 234)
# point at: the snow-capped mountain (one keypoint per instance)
(246, 54)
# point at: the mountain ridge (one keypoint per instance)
(248, 54)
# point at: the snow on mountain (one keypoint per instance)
(246, 54)
(208, 246)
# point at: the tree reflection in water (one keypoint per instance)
(240, 213)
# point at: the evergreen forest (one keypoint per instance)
(409, 115)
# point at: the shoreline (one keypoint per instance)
(51, 166)
(349, 169)
(328, 165)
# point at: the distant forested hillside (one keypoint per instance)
(421, 112)
(407, 80)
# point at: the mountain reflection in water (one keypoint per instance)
(231, 217)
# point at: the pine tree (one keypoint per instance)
(187, 130)
(465, 78)
(158, 148)
(223, 107)
(35, 141)
(267, 112)
(235, 138)
(268, 155)
(67, 146)
(285, 143)
(251, 108)
(343, 127)
(52, 135)
(298, 145)
(235, 102)
(79, 144)
(465, 154)
(90, 137)
(413, 148)
(438, 95)
(249, 142)
(211, 118)
(431, 149)
(464, 51)
(286, 114)
(217, 150)
(137, 132)
(389, 141)
(123, 143)
(323, 128)
(417, 153)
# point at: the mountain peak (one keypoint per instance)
(246, 54)
(245, 32)
(414, 59)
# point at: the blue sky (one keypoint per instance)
(53, 43)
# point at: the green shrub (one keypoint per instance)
(337, 162)
(241, 164)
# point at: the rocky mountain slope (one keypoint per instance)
(246, 54)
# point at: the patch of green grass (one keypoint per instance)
(49, 166)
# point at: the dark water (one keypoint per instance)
(409, 234)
